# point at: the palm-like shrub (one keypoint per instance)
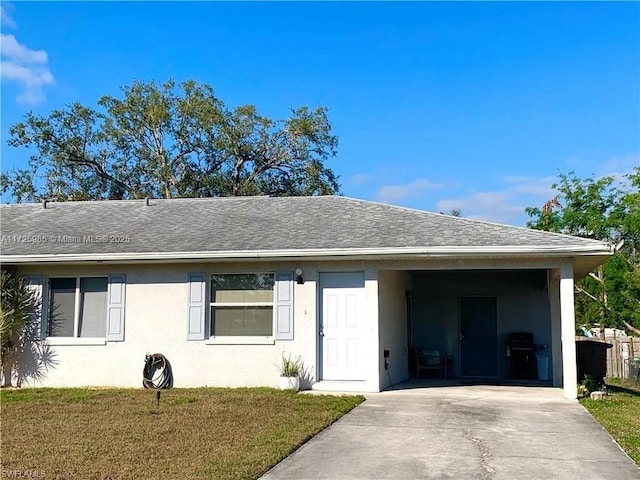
(290, 367)
(18, 305)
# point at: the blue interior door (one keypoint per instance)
(478, 337)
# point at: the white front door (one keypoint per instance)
(342, 326)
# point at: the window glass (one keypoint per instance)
(93, 307)
(233, 304)
(242, 288)
(62, 311)
(242, 321)
(91, 318)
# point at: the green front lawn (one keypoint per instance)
(619, 414)
(194, 433)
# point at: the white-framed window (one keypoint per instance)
(241, 304)
(77, 307)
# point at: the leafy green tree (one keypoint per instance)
(164, 141)
(17, 318)
(603, 210)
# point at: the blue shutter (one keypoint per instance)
(35, 283)
(196, 313)
(115, 307)
(284, 306)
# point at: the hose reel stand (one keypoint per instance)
(157, 374)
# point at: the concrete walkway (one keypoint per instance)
(462, 432)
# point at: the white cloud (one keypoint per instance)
(26, 67)
(618, 167)
(31, 78)
(5, 17)
(497, 206)
(361, 178)
(398, 193)
(505, 205)
(17, 52)
(539, 186)
(507, 202)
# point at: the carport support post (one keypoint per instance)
(568, 328)
(556, 328)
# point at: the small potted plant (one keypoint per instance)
(289, 373)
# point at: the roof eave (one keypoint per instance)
(318, 254)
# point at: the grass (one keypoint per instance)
(623, 383)
(115, 434)
(619, 414)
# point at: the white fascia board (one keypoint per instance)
(356, 253)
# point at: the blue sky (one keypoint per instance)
(476, 106)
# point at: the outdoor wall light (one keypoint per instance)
(299, 277)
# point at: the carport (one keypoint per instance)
(470, 318)
(477, 313)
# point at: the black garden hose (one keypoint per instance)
(157, 372)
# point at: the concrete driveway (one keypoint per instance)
(462, 432)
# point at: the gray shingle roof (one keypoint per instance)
(250, 224)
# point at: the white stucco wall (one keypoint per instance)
(392, 285)
(156, 322)
(371, 334)
(156, 308)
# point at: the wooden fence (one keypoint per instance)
(623, 359)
